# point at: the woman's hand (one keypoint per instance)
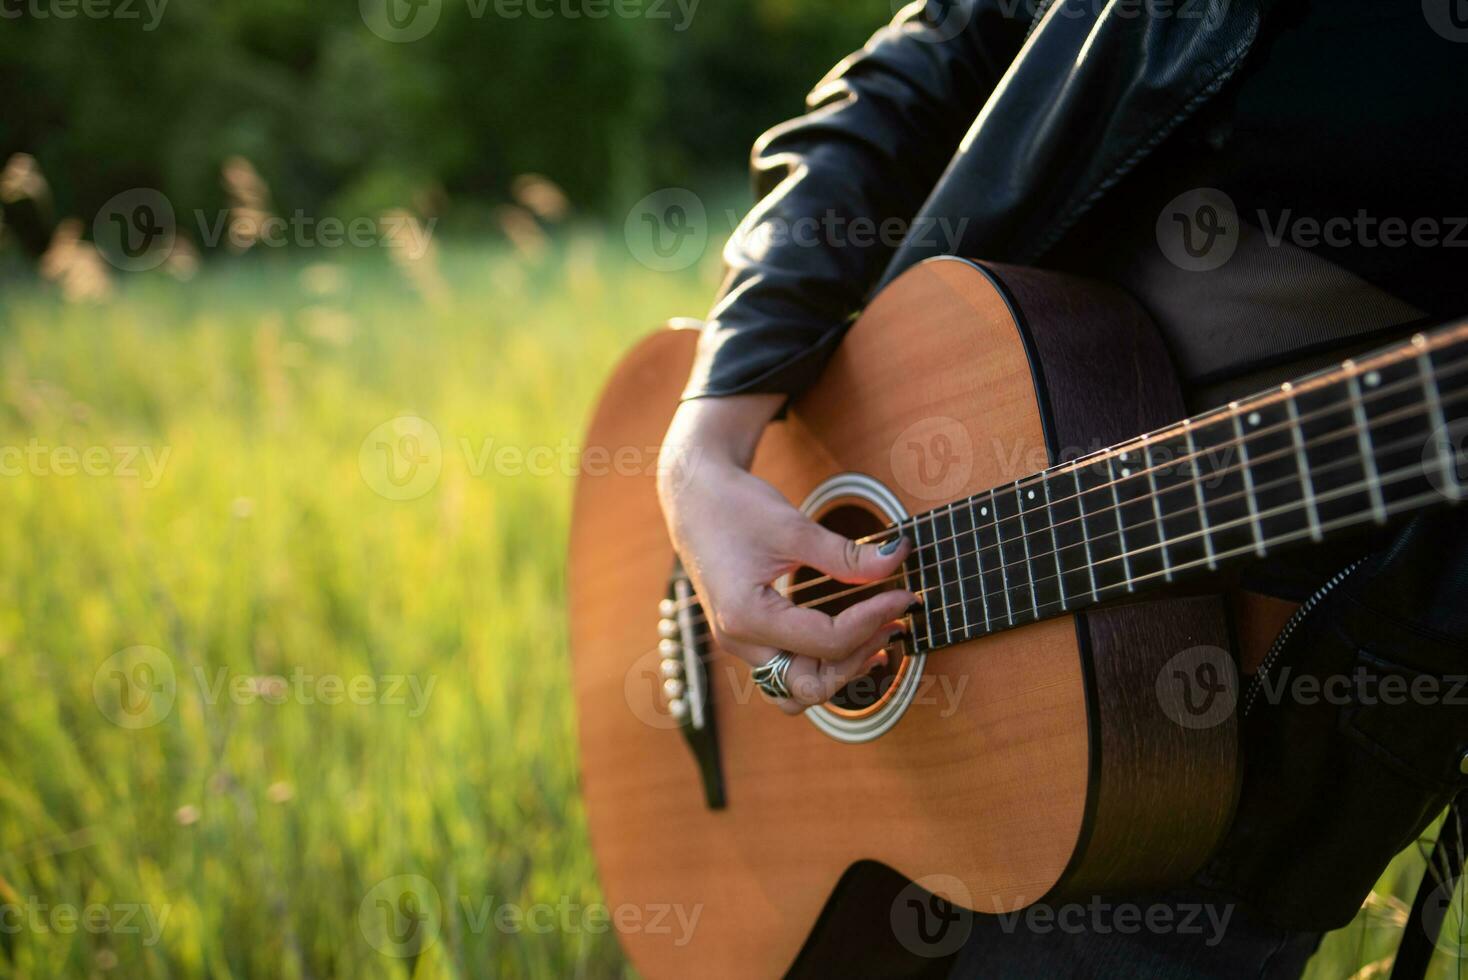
(736, 535)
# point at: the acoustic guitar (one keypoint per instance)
(1059, 719)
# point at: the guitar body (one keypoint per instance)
(1036, 763)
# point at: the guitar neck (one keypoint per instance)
(1358, 444)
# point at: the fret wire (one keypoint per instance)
(958, 569)
(1320, 380)
(1075, 472)
(1407, 411)
(1403, 506)
(1446, 342)
(1307, 483)
(979, 564)
(1238, 522)
(1126, 564)
(1248, 483)
(917, 552)
(1439, 423)
(932, 518)
(1363, 437)
(1198, 491)
(999, 547)
(1407, 471)
(1294, 535)
(1284, 391)
(1157, 511)
(1054, 541)
(1024, 538)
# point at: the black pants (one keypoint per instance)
(1179, 934)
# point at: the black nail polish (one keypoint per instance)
(916, 606)
(889, 548)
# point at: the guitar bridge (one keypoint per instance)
(684, 647)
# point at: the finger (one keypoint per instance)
(812, 682)
(847, 561)
(814, 634)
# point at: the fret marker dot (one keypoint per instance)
(1253, 418)
(1126, 471)
(1031, 495)
(984, 511)
(1122, 457)
(1372, 379)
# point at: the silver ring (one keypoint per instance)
(771, 676)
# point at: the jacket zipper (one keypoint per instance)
(1275, 650)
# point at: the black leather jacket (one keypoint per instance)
(984, 127)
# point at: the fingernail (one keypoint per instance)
(889, 548)
(917, 604)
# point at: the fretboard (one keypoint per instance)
(1361, 443)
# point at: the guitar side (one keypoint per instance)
(1036, 762)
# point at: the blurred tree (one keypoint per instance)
(340, 121)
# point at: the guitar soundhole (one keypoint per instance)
(865, 693)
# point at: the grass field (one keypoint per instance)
(250, 674)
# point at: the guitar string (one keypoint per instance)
(930, 517)
(1397, 415)
(939, 561)
(1354, 518)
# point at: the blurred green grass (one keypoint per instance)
(258, 829)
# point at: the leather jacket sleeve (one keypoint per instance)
(838, 187)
